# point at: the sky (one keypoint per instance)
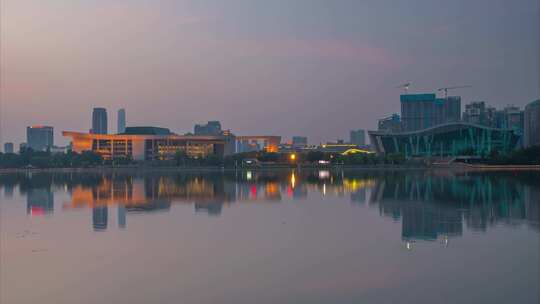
(282, 67)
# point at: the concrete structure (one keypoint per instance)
(40, 138)
(149, 143)
(121, 121)
(299, 142)
(358, 137)
(421, 111)
(476, 113)
(8, 147)
(99, 121)
(391, 123)
(452, 139)
(211, 128)
(531, 130)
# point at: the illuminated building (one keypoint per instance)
(40, 138)
(121, 122)
(257, 143)
(99, 121)
(148, 143)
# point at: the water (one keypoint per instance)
(270, 237)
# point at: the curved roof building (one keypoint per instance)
(450, 139)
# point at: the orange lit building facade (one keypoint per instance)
(142, 147)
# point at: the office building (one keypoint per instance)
(513, 119)
(391, 123)
(531, 130)
(99, 121)
(422, 111)
(121, 121)
(476, 113)
(150, 143)
(8, 147)
(299, 142)
(358, 137)
(40, 138)
(211, 128)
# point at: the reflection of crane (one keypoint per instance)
(405, 87)
(451, 88)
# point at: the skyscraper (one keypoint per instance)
(211, 128)
(99, 121)
(121, 127)
(358, 137)
(421, 111)
(531, 130)
(40, 138)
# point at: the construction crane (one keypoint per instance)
(445, 90)
(405, 87)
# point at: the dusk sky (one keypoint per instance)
(279, 67)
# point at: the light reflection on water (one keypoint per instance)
(431, 208)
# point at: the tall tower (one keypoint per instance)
(99, 121)
(121, 127)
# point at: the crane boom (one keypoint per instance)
(445, 90)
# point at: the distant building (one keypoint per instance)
(531, 130)
(358, 137)
(23, 146)
(8, 147)
(40, 138)
(121, 121)
(211, 128)
(391, 123)
(299, 142)
(513, 119)
(422, 111)
(476, 113)
(99, 121)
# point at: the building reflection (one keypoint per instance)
(429, 206)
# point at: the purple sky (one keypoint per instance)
(315, 68)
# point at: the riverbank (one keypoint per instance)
(108, 169)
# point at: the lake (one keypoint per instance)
(283, 236)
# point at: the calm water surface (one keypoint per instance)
(270, 237)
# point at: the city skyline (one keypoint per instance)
(178, 64)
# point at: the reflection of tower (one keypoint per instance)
(8, 190)
(211, 208)
(39, 201)
(359, 196)
(121, 216)
(100, 217)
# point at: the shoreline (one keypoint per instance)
(142, 169)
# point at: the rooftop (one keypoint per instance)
(147, 131)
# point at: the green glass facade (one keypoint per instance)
(445, 140)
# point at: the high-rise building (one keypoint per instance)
(475, 112)
(391, 123)
(40, 138)
(8, 147)
(299, 141)
(358, 137)
(121, 122)
(531, 130)
(421, 111)
(513, 119)
(99, 121)
(211, 128)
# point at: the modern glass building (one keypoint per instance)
(121, 121)
(421, 111)
(531, 132)
(99, 121)
(40, 138)
(451, 139)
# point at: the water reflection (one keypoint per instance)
(430, 205)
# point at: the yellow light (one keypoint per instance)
(293, 180)
(293, 156)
